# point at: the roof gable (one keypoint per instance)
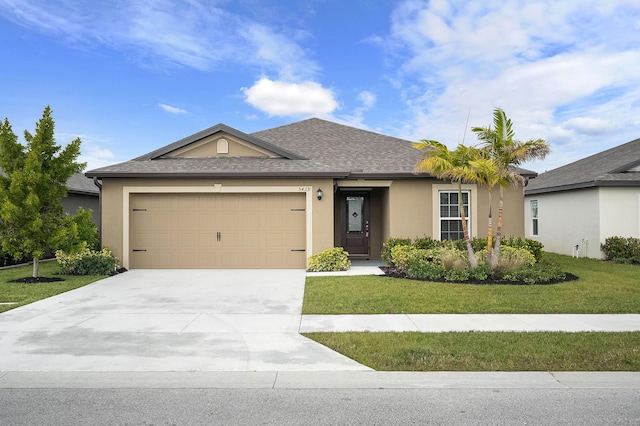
(220, 144)
(219, 140)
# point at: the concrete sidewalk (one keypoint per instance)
(433, 323)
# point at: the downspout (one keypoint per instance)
(97, 183)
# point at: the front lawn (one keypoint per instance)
(21, 293)
(602, 288)
(488, 351)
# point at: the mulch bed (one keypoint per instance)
(394, 273)
(32, 280)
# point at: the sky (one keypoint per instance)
(130, 76)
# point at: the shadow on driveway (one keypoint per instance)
(169, 320)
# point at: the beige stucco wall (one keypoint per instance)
(413, 209)
(407, 207)
(408, 211)
(113, 190)
(208, 147)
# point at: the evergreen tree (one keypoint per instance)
(31, 214)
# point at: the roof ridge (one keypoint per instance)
(346, 126)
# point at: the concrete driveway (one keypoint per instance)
(169, 320)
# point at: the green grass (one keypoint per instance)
(494, 351)
(602, 287)
(22, 294)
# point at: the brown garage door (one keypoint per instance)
(217, 230)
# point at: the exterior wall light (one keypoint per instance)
(319, 194)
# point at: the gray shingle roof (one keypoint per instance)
(350, 149)
(614, 167)
(308, 148)
(80, 184)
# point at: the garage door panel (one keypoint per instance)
(181, 230)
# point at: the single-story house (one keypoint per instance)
(575, 208)
(222, 198)
(82, 192)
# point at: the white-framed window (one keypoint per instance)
(450, 219)
(534, 217)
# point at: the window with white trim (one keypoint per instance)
(450, 218)
(534, 217)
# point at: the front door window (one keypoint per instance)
(355, 214)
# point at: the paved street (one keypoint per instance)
(195, 406)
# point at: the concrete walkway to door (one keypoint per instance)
(169, 320)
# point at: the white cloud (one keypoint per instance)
(367, 98)
(92, 150)
(172, 110)
(564, 71)
(281, 98)
(196, 34)
(96, 157)
(589, 125)
(278, 53)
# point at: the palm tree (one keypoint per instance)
(507, 154)
(442, 163)
(488, 175)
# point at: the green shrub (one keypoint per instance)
(426, 243)
(515, 242)
(479, 244)
(628, 260)
(621, 249)
(535, 248)
(403, 256)
(480, 273)
(540, 274)
(457, 275)
(425, 270)
(400, 255)
(80, 232)
(87, 262)
(333, 259)
(87, 230)
(392, 242)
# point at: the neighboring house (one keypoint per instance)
(222, 198)
(574, 208)
(82, 192)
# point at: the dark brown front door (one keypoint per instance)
(355, 224)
